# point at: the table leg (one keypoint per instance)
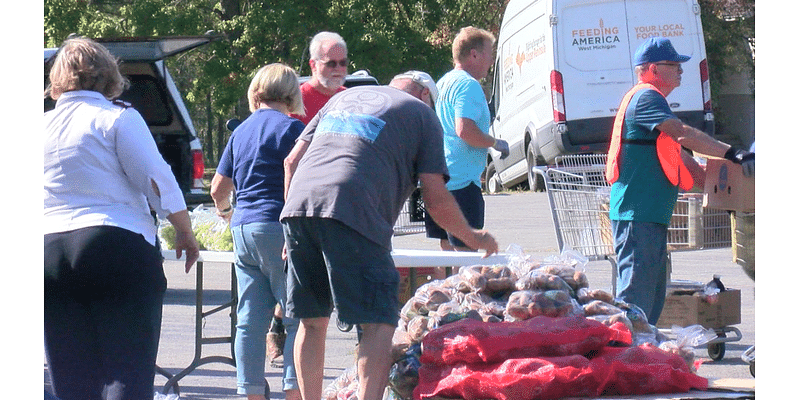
(198, 330)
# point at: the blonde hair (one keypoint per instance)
(83, 64)
(471, 38)
(276, 82)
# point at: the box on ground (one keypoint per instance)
(692, 309)
(726, 187)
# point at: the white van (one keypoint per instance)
(563, 67)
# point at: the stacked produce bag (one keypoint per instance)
(532, 330)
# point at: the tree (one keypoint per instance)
(729, 31)
(385, 37)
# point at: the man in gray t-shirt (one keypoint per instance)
(347, 178)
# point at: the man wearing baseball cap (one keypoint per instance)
(647, 167)
(425, 84)
(347, 177)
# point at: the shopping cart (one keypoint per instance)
(578, 196)
(412, 217)
(579, 201)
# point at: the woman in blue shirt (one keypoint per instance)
(252, 167)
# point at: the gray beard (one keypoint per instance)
(332, 83)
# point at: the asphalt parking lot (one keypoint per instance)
(520, 218)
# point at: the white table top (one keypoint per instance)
(402, 258)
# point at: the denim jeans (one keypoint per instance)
(641, 249)
(261, 281)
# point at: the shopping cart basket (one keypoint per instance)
(412, 217)
(579, 200)
(578, 196)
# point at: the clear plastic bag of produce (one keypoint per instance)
(686, 339)
(568, 257)
(211, 231)
(491, 279)
(404, 373)
(538, 279)
(345, 387)
(520, 262)
(526, 304)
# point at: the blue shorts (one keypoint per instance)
(470, 201)
(330, 264)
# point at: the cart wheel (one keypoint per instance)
(753, 369)
(343, 326)
(716, 351)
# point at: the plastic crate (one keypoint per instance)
(693, 227)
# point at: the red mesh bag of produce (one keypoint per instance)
(469, 341)
(513, 379)
(644, 369)
(623, 371)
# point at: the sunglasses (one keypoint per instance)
(334, 63)
(671, 65)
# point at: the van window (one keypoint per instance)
(594, 36)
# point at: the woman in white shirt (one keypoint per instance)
(104, 281)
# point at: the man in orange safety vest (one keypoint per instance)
(647, 167)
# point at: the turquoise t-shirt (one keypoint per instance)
(461, 96)
(642, 192)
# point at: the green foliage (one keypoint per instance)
(726, 31)
(385, 37)
(727, 27)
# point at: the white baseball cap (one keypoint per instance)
(423, 79)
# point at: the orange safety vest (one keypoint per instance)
(668, 150)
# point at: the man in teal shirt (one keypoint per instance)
(642, 196)
(464, 115)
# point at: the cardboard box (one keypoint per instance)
(406, 289)
(691, 309)
(727, 188)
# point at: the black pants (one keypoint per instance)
(103, 292)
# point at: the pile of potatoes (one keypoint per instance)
(496, 293)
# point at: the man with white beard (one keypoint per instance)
(328, 63)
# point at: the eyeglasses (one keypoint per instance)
(334, 63)
(671, 65)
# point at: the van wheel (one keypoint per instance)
(491, 182)
(535, 181)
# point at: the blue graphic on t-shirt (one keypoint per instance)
(339, 122)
